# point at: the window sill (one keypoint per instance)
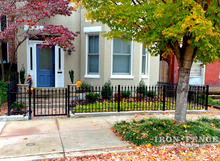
(199, 76)
(92, 76)
(122, 77)
(145, 76)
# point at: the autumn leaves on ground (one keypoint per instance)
(152, 153)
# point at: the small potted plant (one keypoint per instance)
(22, 77)
(22, 86)
(71, 74)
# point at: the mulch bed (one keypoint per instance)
(4, 109)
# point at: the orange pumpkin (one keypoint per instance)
(78, 83)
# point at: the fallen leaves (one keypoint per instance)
(166, 153)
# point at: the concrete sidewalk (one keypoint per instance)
(61, 137)
(57, 138)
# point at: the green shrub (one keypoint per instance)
(107, 91)
(3, 92)
(18, 106)
(85, 87)
(126, 94)
(92, 97)
(22, 75)
(151, 94)
(143, 90)
(71, 74)
(3, 86)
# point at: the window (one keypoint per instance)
(196, 70)
(59, 58)
(3, 22)
(144, 61)
(121, 57)
(93, 55)
(31, 58)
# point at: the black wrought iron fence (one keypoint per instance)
(60, 101)
(19, 99)
(133, 98)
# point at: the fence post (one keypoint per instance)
(119, 97)
(29, 94)
(207, 96)
(164, 96)
(9, 100)
(68, 100)
(34, 101)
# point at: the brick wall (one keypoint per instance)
(212, 76)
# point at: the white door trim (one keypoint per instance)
(59, 73)
(59, 67)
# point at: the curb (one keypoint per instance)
(99, 114)
(96, 152)
(61, 155)
(14, 118)
(2, 125)
(34, 157)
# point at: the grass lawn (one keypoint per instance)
(150, 131)
(126, 106)
(213, 102)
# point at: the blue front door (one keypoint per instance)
(45, 67)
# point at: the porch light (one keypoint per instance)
(69, 51)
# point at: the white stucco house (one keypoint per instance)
(95, 60)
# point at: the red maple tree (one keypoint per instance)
(24, 18)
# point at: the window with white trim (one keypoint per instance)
(3, 22)
(144, 61)
(93, 55)
(196, 70)
(121, 57)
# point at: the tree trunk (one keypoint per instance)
(182, 95)
(2, 65)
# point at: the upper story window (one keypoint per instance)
(93, 55)
(121, 57)
(144, 61)
(3, 22)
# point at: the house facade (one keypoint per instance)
(95, 59)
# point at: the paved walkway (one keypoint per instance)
(42, 139)
(57, 138)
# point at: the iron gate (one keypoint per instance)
(49, 101)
